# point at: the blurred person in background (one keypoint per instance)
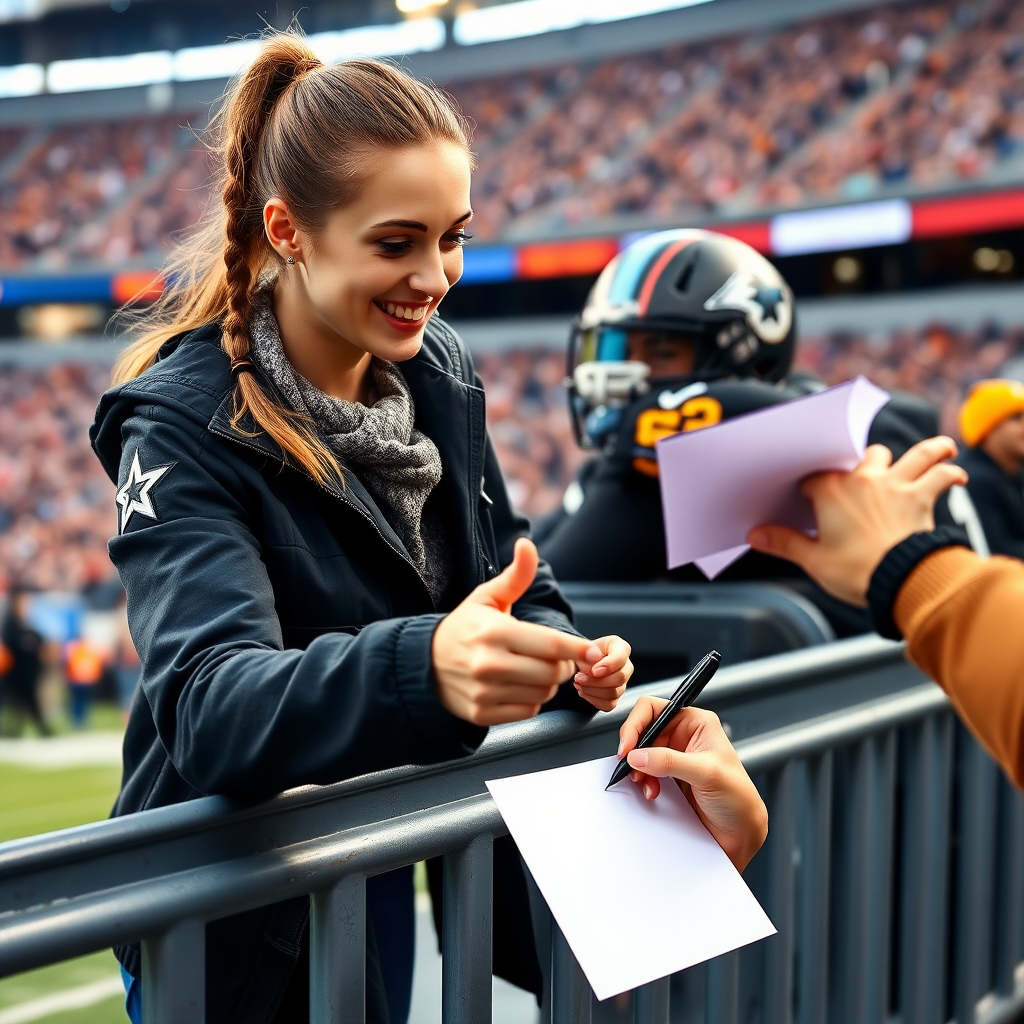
(682, 330)
(19, 686)
(83, 670)
(992, 428)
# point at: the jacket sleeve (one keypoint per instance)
(236, 712)
(962, 616)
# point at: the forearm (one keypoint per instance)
(962, 618)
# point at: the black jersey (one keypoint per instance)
(611, 528)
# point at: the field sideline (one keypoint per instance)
(34, 800)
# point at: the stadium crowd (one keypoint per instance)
(915, 94)
(56, 504)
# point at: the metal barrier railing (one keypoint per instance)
(894, 868)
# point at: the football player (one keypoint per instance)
(682, 330)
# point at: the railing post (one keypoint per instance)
(976, 827)
(815, 880)
(924, 873)
(466, 964)
(650, 1002)
(570, 991)
(174, 975)
(867, 969)
(1009, 926)
(778, 983)
(337, 953)
(723, 990)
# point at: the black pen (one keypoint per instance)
(686, 693)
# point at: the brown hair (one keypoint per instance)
(292, 127)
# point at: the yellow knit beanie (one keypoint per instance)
(988, 404)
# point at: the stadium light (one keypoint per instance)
(198, 62)
(532, 17)
(109, 72)
(21, 80)
(417, 36)
(860, 226)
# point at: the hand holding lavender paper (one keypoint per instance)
(717, 484)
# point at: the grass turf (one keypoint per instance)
(33, 801)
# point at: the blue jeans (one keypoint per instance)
(389, 901)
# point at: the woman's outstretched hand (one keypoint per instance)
(864, 513)
(695, 751)
(492, 668)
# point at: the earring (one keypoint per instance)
(291, 261)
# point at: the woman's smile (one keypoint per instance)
(403, 316)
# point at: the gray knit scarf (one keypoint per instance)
(397, 463)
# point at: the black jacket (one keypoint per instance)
(283, 629)
(999, 501)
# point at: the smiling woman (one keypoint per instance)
(326, 576)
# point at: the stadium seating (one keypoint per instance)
(57, 507)
(910, 96)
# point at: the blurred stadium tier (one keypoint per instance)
(894, 99)
(57, 507)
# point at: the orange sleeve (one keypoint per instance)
(963, 618)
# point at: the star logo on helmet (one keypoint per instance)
(768, 310)
(134, 494)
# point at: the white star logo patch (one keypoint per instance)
(133, 495)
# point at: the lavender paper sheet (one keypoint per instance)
(717, 484)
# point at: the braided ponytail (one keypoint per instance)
(298, 129)
(283, 61)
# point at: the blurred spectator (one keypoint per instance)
(992, 428)
(19, 685)
(56, 504)
(83, 668)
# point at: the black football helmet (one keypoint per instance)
(709, 288)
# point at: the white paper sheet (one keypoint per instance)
(640, 889)
(718, 483)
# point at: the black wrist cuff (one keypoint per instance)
(893, 570)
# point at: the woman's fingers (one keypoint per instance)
(923, 456)
(644, 711)
(877, 456)
(698, 769)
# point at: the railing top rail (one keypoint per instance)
(793, 668)
(37, 934)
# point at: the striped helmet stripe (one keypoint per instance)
(651, 277)
(634, 260)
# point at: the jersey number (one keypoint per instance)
(654, 424)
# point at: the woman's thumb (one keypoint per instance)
(664, 762)
(513, 581)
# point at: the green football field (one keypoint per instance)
(33, 801)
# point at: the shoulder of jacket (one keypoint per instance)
(192, 370)
(443, 347)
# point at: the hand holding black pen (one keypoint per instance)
(693, 749)
(686, 693)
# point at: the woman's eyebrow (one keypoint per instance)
(414, 224)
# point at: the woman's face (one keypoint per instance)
(379, 267)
